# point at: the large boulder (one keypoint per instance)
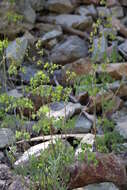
(70, 20)
(70, 50)
(109, 168)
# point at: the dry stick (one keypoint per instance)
(48, 137)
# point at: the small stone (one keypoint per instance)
(117, 12)
(6, 137)
(103, 12)
(51, 35)
(60, 6)
(101, 186)
(58, 110)
(88, 139)
(82, 125)
(16, 50)
(123, 49)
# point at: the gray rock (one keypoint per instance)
(87, 11)
(14, 93)
(101, 186)
(16, 50)
(83, 125)
(37, 4)
(1, 157)
(74, 21)
(30, 71)
(58, 110)
(117, 12)
(100, 48)
(70, 50)
(123, 2)
(121, 127)
(51, 35)
(88, 139)
(123, 49)
(60, 6)
(103, 12)
(6, 137)
(46, 27)
(10, 27)
(20, 184)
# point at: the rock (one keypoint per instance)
(30, 71)
(121, 127)
(5, 173)
(51, 35)
(87, 11)
(90, 1)
(108, 96)
(101, 186)
(111, 3)
(100, 47)
(1, 157)
(69, 20)
(103, 12)
(8, 25)
(88, 139)
(37, 5)
(109, 168)
(16, 50)
(6, 137)
(121, 28)
(19, 184)
(58, 110)
(82, 98)
(117, 12)
(80, 67)
(70, 50)
(14, 93)
(60, 6)
(123, 2)
(116, 71)
(82, 125)
(120, 89)
(46, 27)
(123, 49)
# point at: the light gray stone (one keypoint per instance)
(117, 12)
(87, 11)
(100, 48)
(88, 139)
(58, 110)
(51, 35)
(6, 137)
(101, 186)
(103, 12)
(16, 50)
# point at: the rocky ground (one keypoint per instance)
(63, 27)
